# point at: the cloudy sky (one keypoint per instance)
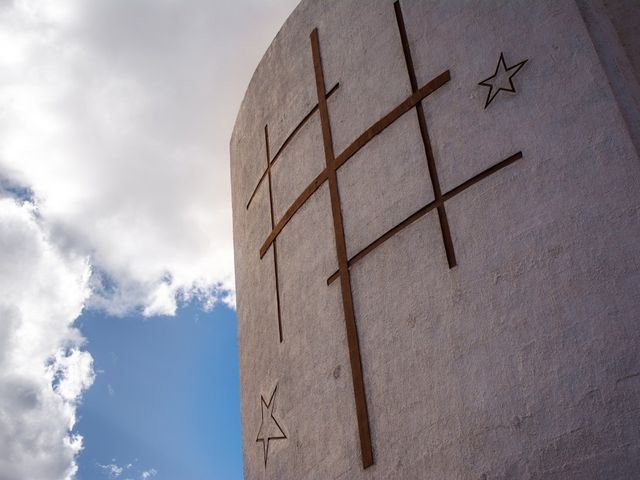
(117, 333)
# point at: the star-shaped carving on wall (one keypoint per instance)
(270, 429)
(502, 79)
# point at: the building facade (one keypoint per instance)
(437, 238)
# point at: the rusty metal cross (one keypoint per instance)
(329, 175)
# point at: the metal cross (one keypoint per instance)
(333, 163)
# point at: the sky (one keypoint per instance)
(117, 325)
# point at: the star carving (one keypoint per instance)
(270, 429)
(502, 79)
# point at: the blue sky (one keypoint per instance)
(169, 403)
(117, 328)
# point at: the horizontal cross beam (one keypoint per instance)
(426, 209)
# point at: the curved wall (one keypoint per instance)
(436, 234)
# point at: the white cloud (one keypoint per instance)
(117, 114)
(115, 117)
(43, 370)
(149, 473)
(113, 470)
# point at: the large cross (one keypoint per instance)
(329, 174)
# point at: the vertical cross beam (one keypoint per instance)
(275, 249)
(343, 268)
(424, 133)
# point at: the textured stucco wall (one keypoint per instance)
(521, 362)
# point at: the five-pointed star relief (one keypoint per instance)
(269, 428)
(502, 79)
